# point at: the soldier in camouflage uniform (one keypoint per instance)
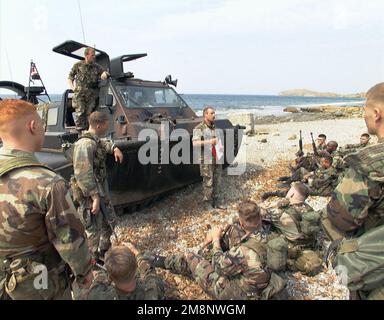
(338, 162)
(287, 213)
(39, 226)
(238, 273)
(287, 219)
(205, 137)
(127, 278)
(357, 204)
(321, 142)
(86, 75)
(90, 185)
(324, 180)
(349, 148)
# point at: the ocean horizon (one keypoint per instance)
(259, 105)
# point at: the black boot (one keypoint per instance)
(266, 195)
(157, 261)
(285, 178)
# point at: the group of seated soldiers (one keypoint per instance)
(249, 258)
(321, 170)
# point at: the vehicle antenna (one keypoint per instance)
(81, 20)
(9, 65)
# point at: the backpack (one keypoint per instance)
(363, 258)
(310, 223)
(277, 254)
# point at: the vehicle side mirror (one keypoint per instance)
(109, 100)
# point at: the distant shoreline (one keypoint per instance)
(315, 94)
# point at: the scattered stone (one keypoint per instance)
(276, 134)
(263, 141)
(293, 137)
(291, 110)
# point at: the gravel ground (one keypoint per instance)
(179, 222)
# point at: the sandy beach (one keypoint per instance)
(179, 222)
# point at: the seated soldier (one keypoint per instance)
(323, 181)
(298, 223)
(321, 142)
(349, 148)
(128, 276)
(240, 272)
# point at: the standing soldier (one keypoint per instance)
(39, 228)
(90, 185)
(204, 137)
(355, 211)
(86, 74)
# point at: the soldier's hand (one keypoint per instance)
(216, 233)
(118, 155)
(95, 204)
(214, 141)
(208, 239)
(104, 75)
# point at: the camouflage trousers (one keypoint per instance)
(202, 271)
(211, 174)
(97, 229)
(84, 103)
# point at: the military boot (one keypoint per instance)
(218, 205)
(157, 261)
(284, 178)
(266, 195)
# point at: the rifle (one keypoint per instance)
(301, 145)
(314, 146)
(104, 212)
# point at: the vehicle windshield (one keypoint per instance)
(149, 97)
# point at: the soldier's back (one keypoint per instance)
(25, 241)
(24, 196)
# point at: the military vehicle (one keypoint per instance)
(132, 105)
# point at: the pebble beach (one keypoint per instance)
(179, 222)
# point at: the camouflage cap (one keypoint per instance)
(249, 214)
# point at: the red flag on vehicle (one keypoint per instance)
(34, 73)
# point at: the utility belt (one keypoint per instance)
(77, 194)
(47, 256)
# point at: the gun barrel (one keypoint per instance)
(104, 212)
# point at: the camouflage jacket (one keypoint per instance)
(86, 75)
(244, 264)
(149, 286)
(286, 219)
(350, 148)
(322, 147)
(323, 181)
(338, 161)
(233, 235)
(357, 204)
(37, 213)
(89, 156)
(204, 132)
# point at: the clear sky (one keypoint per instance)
(211, 46)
